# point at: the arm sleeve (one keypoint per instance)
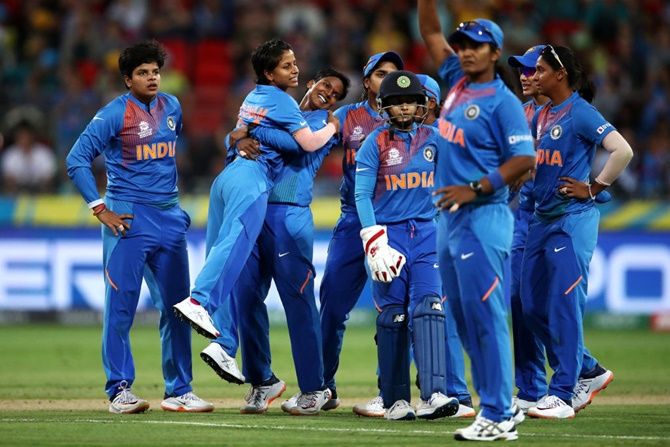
(312, 141)
(91, 143)
(513, 133)
(450, 71)
(367, 165)
(276, 138)
(620, 155)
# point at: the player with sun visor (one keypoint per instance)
(394, 184)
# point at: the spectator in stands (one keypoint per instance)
(28, 165)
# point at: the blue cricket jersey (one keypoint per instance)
(482, 125)
(358, 121)
(567, 135)
(295, 181)
(139, 142)
(271, 107)
(526, 201)
(395, 175)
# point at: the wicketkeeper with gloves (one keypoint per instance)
(394, 183)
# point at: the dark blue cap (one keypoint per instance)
(479, 30)
(378, 58)
(528, 59)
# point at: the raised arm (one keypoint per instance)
(431, 32)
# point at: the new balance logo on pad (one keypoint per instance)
(465, 256)
(399, 318)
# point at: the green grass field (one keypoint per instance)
(51, 381)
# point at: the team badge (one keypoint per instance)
(556, 132)
(403, 81)
(472, 112)
(171, 123)
(394, 157)
(429, 153)
(145, 130)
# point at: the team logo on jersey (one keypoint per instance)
(394, 157)
(357, 134)
(556, 132)
(472, 112)
(429, 153)
(145, 130)
(171, 123)
(403, 82)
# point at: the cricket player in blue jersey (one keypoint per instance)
(137, 134)
(563, 231)
(239, 195)
(283, 252)
(529, 371)
(345, 258)
(456, 384)
(485, 145)
(394, 185)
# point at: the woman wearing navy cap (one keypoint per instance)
(485, 145)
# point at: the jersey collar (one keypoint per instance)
(143, 105)
(570, 100)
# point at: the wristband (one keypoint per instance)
(590, 193)
(99, 209)
(496, 180)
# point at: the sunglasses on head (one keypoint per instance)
(475, 27)
(549, 50)
(528, 72)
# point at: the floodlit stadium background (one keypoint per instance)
(58, 65)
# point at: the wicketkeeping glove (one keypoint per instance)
(385, 262)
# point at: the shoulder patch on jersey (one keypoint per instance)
(429, 153)
(556, 132)
(171, 123)
(472, 112)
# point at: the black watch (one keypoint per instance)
(477, 188)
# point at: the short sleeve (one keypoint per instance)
(450, 71)
(589, 124)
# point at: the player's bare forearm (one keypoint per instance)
(431, 31)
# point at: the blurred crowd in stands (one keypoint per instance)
(58, 65)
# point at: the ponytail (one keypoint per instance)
(578, 78)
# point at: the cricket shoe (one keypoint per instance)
(311, 403)
(552, 407)
(187, 403)
(587, 388)
(483, 429)
(290, 403)
(401, 410)
(125, 402)
(223, 364)
(524, 405)
(190, 311)
(332, 403)
(373, 408)
(465, 409)
(437, 406)
(518, 416)
(260, 397)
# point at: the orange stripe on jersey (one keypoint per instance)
(491, 289)
(574, 284)
(111, 283)
(304, 284)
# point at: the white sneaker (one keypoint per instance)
(373, 408)
(483, 429)
(401, 410)
(524, 405)
(290, 403)
(464, 411)
(259, 398)
(332, 404)
(587, 389)
(189, 403)
(518, 415)
(223, 364)
(310, 403)
(552, 407)
(126, 402)
(437, 406)
(190, 311)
